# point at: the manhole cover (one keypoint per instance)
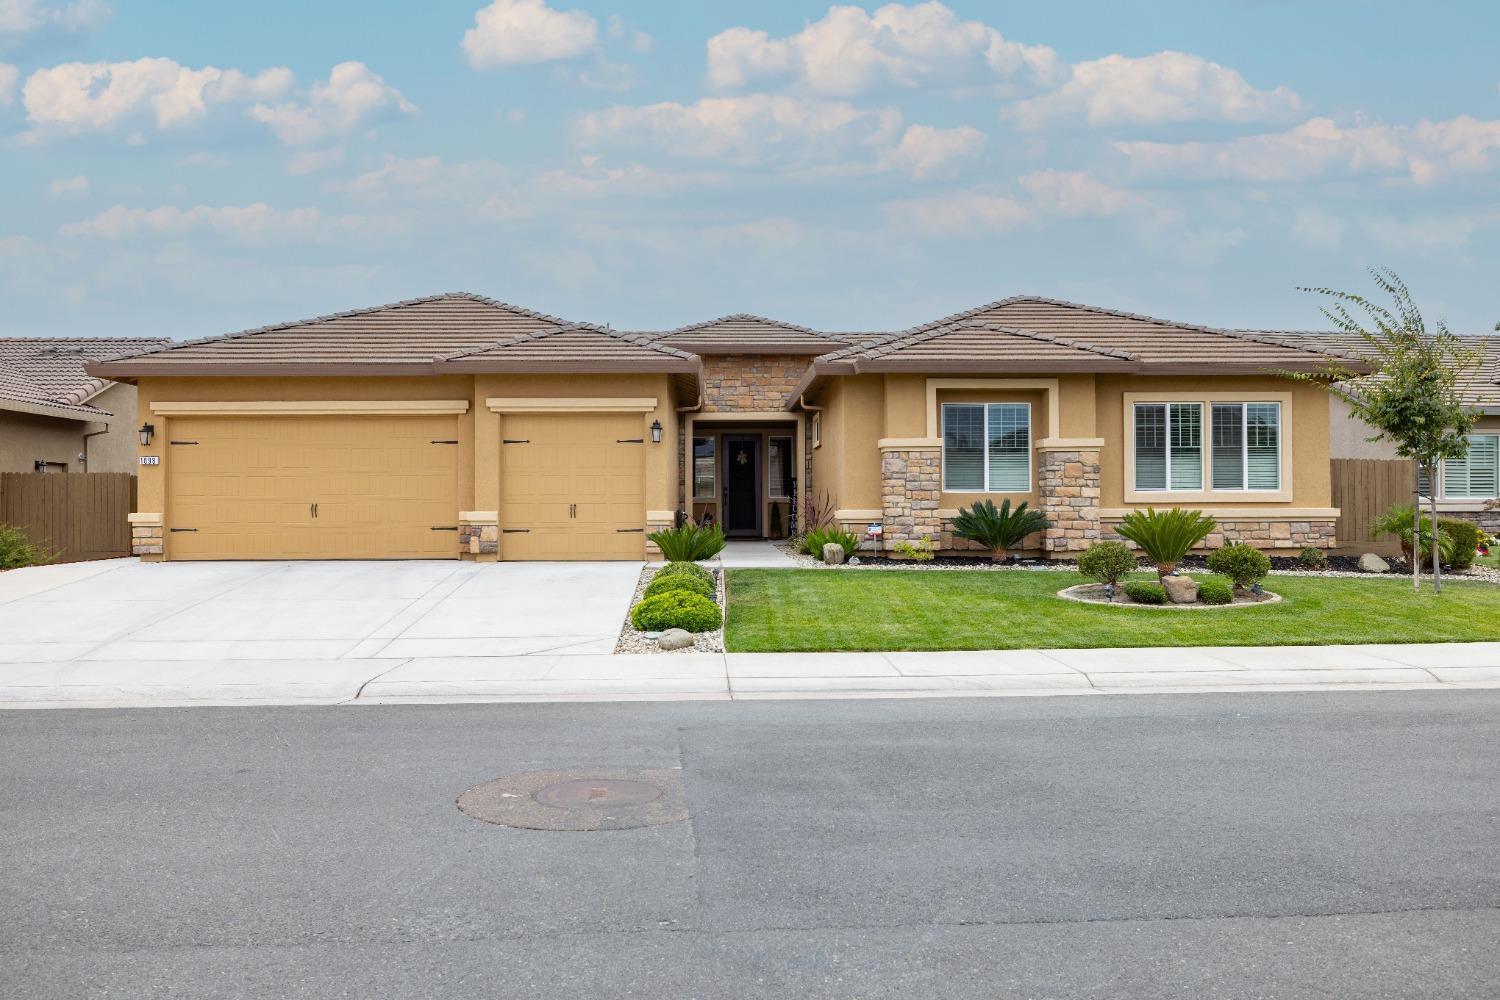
(606, 799)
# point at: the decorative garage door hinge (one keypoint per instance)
(182, 442)
(515, 531)
(454, 528)
(515, 440)
(629, 531)
(182, 529)
(445, 442)
(630, 440)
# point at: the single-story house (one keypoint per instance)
(54, 416)
(457, 425)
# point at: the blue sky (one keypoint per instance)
(191, 169)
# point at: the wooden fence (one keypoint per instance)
(77, 515)
(1363, 489)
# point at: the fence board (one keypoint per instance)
(1363, 489)
(78, 515)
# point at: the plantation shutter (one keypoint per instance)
(1187, 446)
(779, 450)
(1150, 446)
(963, 446)
(1424, 482)
(1477, 474)
(1009, 447)
(1263, 446)
(1228, 446)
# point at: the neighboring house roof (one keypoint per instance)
(46, 375)
(742, 333)
(1479, 386)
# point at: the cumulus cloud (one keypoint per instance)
(68, 187)
(9, 77)
(25, 17)
(78, 97)
(925, 150)
(850, 52)
(959, 213)
(521, 32)
(1425, 152)
(248, 223)
(1154, 90)
(1076, 193)
(351, 97)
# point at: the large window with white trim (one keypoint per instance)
(1246, 454)
(1168, 446)
(987, 447)
(1477, 474)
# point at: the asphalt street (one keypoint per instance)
(1205, 846)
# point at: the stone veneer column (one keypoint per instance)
(479, 534)
(910, 488)
(1068, 483)
(146, 535)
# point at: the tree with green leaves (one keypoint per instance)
(1412, 400)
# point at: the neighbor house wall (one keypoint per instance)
(27, 437)
(115, 450)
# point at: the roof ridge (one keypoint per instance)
(892, 346)
(795, 327)
(634, 339)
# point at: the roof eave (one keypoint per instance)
(57, 412)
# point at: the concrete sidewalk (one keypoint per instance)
(702, 676)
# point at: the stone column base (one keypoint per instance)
(658, 520)
(146, 536)
(479, 535)
(910, 488)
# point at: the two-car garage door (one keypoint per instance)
(386, 487)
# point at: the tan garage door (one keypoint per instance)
(301, 487)
(573, 486)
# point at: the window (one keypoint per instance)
(779, 453)
(817, 430)
(703, 468)
(1169, 446)
(1246, 446)
(987, 447)
(1477, 474)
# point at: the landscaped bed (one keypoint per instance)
(817, 611)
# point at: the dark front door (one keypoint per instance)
(742, 486)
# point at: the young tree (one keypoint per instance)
(1413, 400)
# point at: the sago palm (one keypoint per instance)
(998, 530)
(1166, 535)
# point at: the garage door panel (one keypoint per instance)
(248, 486)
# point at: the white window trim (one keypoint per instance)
(1207, 495)
(1244, 406)
(1167, 428)
(1442, 476)
(985, 463)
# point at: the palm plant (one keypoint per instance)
(1398, 520)
(998, 530)
(1166, 535)
(690, 542)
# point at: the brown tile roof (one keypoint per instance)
(742, 333)
(969, 345)
(399, 338)
(46, 374)
(1479, 386)
(577, 347)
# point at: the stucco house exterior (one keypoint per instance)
(54, 417)
(459, 426)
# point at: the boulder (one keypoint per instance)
(1180, 589)
(675, 638)
(1371, 563)
(833, 553)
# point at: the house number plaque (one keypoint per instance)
(150, 459)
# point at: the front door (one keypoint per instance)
(742, 486)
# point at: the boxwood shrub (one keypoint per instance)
(676, 609)
(1244, 564)
(685, 569)
(1465, 535)
(678, 581)
(1213, 591)
(1107, 562)
(1144, 592)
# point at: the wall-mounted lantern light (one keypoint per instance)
(656, 432)
(147, 430)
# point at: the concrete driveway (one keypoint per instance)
(125, 610)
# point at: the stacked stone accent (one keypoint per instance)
(1266, 534)
(741, 382)
(145, 540)
(479, 539)
(1068, 482)
(910, 489)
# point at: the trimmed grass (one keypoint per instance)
(775, 610)
(1492, 561)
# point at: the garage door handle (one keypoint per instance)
(515, 531)
(630, 531)
(312, 509)
(572, 510)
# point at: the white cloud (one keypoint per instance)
(68, 187)
(352, 96)
(638, 40)
(756, 128)
(25, 17)
(924, 150)
(394, 174)
(850, 51)
(1154, 90)
(1075, 194)
(961, 213)
(311, 161)
(9, 77)
(1424, 152)
(257, 222)
(520, 32)
(77, 97)
(591, 180)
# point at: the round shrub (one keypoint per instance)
(676, 609)
(1214, 592)
(1466, 538)
(1143, 592)
(1106, 562)
(678, 581)
(684, 569)
(1312, 557)
(1245, 565)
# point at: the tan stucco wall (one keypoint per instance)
(1309, 434)
(115, 451)
(26, 437)
(829, 456)
(1347, 434)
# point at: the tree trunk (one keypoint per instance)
(1437, 569)
(998, 554)
(1416, 526)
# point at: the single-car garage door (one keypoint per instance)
(573, 486)
(312, 487)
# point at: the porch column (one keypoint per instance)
(910, 489)
(1068, 484)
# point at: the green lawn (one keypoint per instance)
(821, 610)
(1492, 561)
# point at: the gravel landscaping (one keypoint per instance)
(633, 640)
